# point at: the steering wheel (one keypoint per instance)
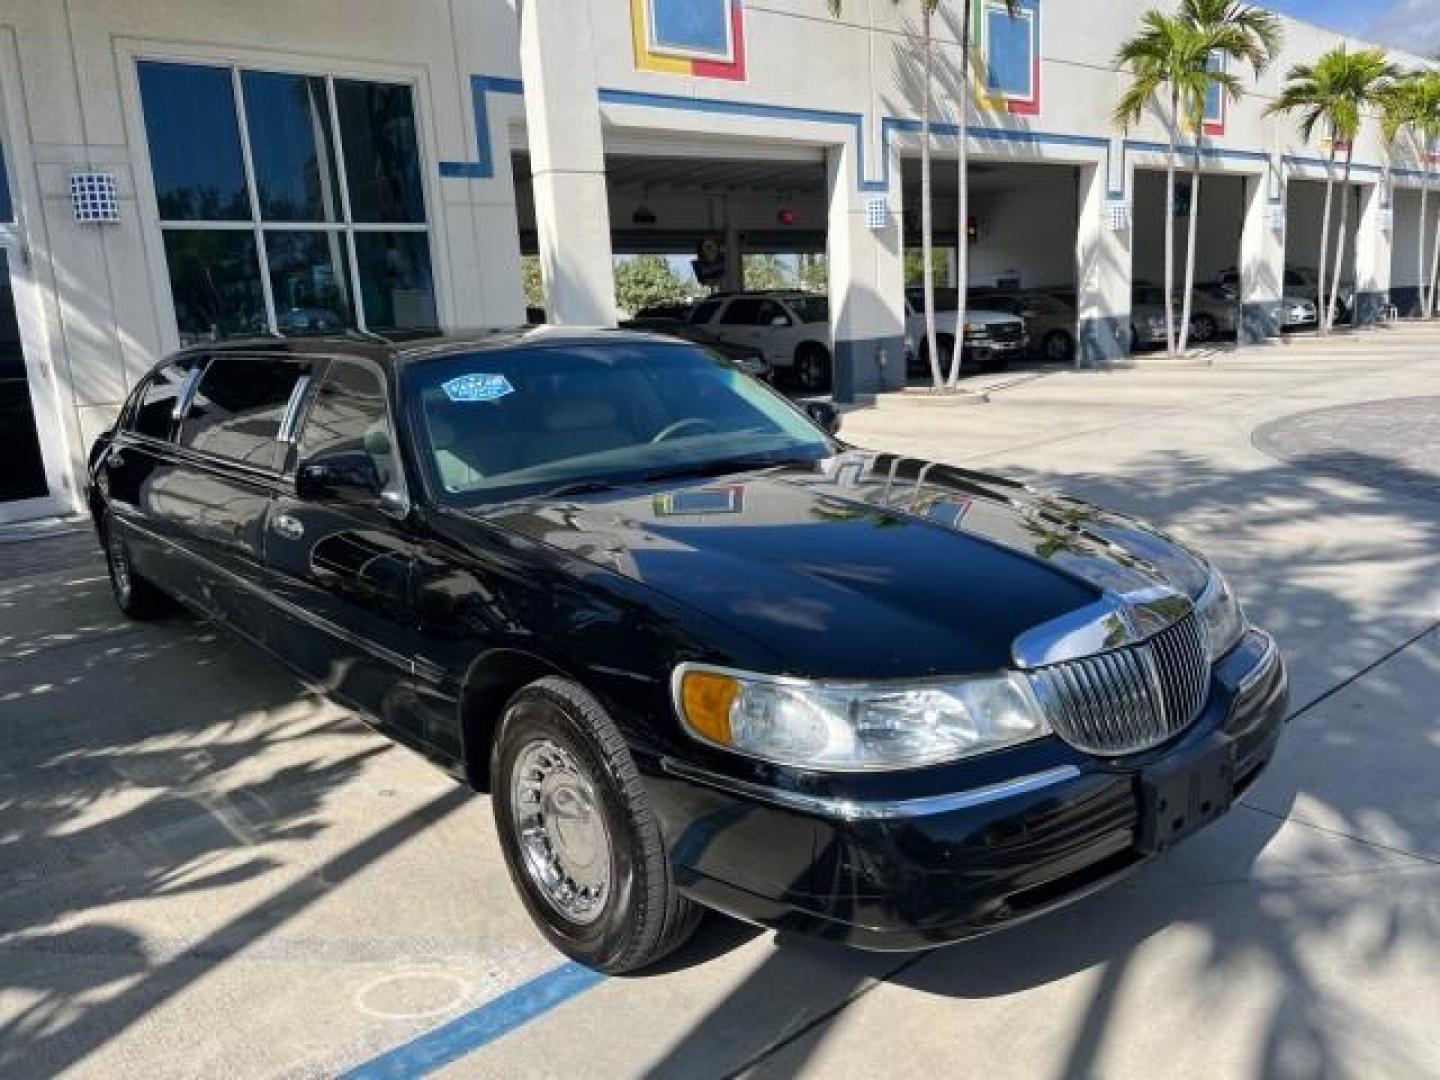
(682, 425)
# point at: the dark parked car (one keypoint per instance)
(700, 653)
(748, 358)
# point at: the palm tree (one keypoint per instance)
(1180, 59)
(1413, 107)
(1235, 32)
(1332, 94)
(962, 137)
(927, 223)
(1165, 59)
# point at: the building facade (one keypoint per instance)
(180, 172)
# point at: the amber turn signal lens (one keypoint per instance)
(706, 698)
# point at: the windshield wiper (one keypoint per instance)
(700, 468)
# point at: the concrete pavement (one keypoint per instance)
(204, 870)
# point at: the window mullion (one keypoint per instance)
(357, 298)
(266, 289)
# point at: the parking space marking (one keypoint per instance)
(479, 1027)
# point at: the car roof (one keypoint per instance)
(403, 347)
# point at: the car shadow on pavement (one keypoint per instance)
(1334, 849)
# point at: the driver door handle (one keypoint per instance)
(288, 527)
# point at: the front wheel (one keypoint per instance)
(812, 369)
(1203, 328)
(1058, 347)
(580, 839)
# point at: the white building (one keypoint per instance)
(285, 166)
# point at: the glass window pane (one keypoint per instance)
(194, 142)
(7, 211)
(395, 280)
(382, 156)
(238, 408)
(350, 416)
(310, 280)
(292, 147)
(215, 281)
(22, 469)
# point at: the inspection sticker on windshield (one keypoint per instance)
(469, 388)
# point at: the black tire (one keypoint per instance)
(946, 344)
(134, 595)
(1058, 347)
(812, 368)
(1203, 328)
(642, 916)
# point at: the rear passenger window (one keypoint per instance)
(239, 406)
(742, 313)
(350, 416)
(155, 410)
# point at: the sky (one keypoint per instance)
(1412, 25)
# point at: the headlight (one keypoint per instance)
(848, 727)
(1221, 616)
(975, 329)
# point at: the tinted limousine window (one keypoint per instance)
(156, 404)
(239, 406)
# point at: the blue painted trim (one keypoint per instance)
(483, 168)
(480, 1027)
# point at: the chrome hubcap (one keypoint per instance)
(119, 565)
(562, 834)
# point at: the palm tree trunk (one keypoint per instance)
(1170, 226)
(1320, 304)
(1187, 303)
(1340, 244)
(927, 216)
(962, 225)
(1434, 264)
(1420, 247)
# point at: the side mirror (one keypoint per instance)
(825, 415)
(349, 477)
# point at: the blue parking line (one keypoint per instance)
(480, 1027)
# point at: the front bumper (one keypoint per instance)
(914, 860)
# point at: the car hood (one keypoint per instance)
(863, 565)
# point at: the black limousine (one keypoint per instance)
(699, 652)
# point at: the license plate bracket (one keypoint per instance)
(1179, 797)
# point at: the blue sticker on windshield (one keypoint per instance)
(477, 388)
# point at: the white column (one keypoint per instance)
(567, 155)
(1102, 272)
(1372, 254)
(1262, 260)
(867, 282)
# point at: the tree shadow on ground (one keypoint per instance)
(140, 765)
(1338, 849)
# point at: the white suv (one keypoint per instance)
(792, 329)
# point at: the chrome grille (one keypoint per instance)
(1007, 332)
(1129, 699)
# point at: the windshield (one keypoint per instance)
(810, 309)
(526, 421)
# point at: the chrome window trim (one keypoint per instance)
(844, 809)
(289, 421)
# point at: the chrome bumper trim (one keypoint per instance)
(857, 810)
